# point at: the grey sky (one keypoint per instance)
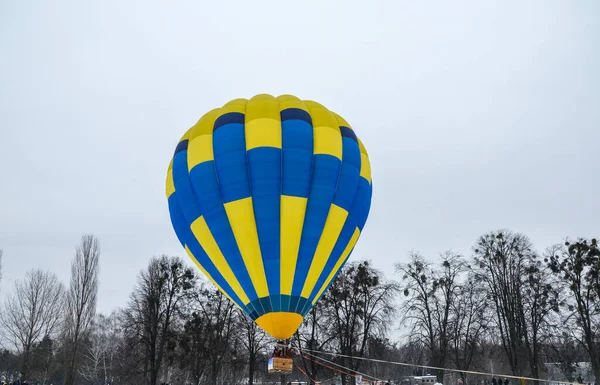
(477, 115)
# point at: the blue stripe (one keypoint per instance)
(228, 118)
(356, 218)
(264, 164)
(347, 132)
(229, 146)
(185, 193)
(295, 114)
(365, 193)
(204, 181)
(324, 181)
(181, 227)
(181, 146)
(297, 157)
(349, 175)
(289, 303)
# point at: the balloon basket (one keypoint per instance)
(281, 365)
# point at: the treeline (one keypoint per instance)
(502, 309)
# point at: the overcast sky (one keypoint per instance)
(477, 115)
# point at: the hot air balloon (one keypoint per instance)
(269, 196)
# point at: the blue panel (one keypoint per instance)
(229, 146)
(228, 118)
(182, 229)
(275, 302)
(295, 114)
(181, 146)
(324, 181)
(342, 242)
(365, 192)
(264, 164)
(356, 218)
(177, 219)
(294, 303)
(185, 194)
(349, 175)
(348, 133)
(265, 302)
(297, 157)
(204, 182)
(285, 303)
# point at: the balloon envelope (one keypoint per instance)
(268, 196)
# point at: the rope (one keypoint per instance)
(309, 377)
(438, 368)
(365, 376)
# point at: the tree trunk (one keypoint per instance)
(251, 373)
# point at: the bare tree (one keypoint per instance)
(523, 298)
(31, 313)
(254, 340)
(577, 265)
(431, 296)
(155, 305)
(470, 321)
(358, 305)
(219, 314)
(81, 301)
(314, 335)
(98, 352)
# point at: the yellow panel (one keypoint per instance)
(312, 105)
(262, 106)
(339, 263)
(331, 232)
(236, 105)
(263, 132)
(209, 276)
(362, 148)
(170, 182)
(280, 325)
(200, 150)
(205, 125)
(341, 121)
(241, 218)
(290, 101)
(293, 210)
(206, 239)
(365, 167)
(328, 140)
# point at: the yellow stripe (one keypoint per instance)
(200, 146)
(241, 218)
(290, 101)
(205, 125)
(365, 167)
(293, 210)
(209, 276)
(328, 139)
(365, 164)
(263, 132)
(170, 182)
(263, 122)
(339, 263)
(209, 244)
(200, 150)
(341, 121)
(236, 105)
(331, 232)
